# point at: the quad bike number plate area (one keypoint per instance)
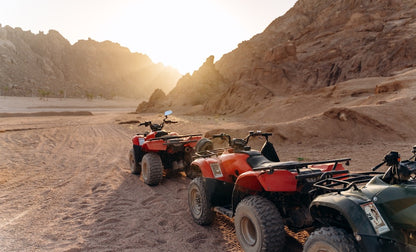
(216, 170)
(375, 218)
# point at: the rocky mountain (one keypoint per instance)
(47, 64)
(316, 44)
(190, 91)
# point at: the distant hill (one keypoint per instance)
(316, 44)
(47, 64)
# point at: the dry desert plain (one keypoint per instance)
(65, 182)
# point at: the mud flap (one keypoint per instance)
(138, 153)
(218, 192)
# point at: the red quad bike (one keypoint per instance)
(160, 151)
(260, 192)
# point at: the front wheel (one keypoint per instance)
(330, 239)
(198, 202)
(134, 166)
(152, 169)
(258, 225)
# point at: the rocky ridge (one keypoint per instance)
(316, 44)
(47, 64)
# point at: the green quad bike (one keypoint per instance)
(379, 216)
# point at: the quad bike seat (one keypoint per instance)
(161, 133)
(259, 162)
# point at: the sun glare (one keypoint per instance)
(181, 33)
(177, 33)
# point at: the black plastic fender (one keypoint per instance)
(348, 207)
(138, 153)
(218, 192)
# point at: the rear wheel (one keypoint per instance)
(152, 169)
(134, 166)
(203, 145)
(198, 202)
(258, 225)
(330, 239)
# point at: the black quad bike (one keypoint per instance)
(372, 211)
(261, 193)
(159, 151)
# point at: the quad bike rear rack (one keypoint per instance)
(209, 153)
(289, 165)
(167, 137)
(344, 183)
(293, 165)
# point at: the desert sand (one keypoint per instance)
(65, 182)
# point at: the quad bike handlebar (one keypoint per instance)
(155, 126)
(241, 142)
(398, 172)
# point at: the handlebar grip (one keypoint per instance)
(259, 133)
(218, 135)
(378, 166)
(145, 123)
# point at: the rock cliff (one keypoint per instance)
(317, 43)
(47, 64)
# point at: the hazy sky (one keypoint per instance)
(179, 33)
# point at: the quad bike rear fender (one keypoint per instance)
(330, 167)
(278, 181)
(191, 141)
(138, 140)
(156, 145)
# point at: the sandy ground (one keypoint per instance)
(65, 183)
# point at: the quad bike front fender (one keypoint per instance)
(209, 167)
(329, 209)
(346, 212)
(324, 207)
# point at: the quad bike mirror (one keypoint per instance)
(399, 172)
(168, 112)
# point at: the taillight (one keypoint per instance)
(138, 140)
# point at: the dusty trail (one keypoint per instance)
(65, 185)
(69, 188)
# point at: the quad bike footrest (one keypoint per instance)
(223, 210)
